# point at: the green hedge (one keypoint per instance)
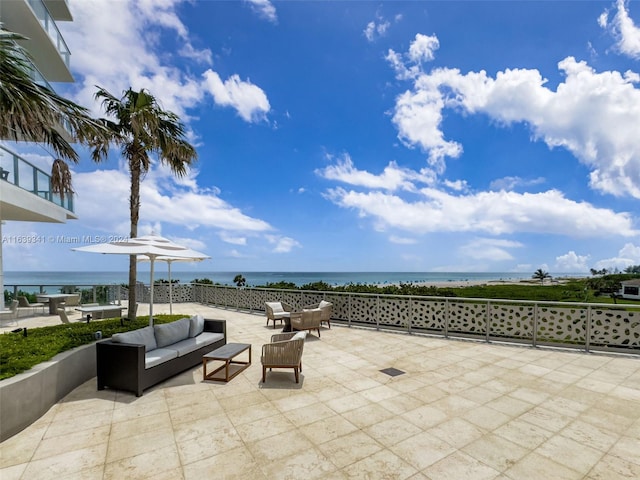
(19, 353)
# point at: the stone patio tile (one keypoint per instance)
(350, 448)
(574, 455)
(383, 464)
(392, 431)
(422, 450)
(236, 464)
(459, 465)
(535, 466)
(495, 451)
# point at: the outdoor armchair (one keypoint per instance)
(284, 351)
(23, 302)
(325, 311)
(306, 320)
(277, 311)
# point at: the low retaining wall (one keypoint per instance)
(27, 396)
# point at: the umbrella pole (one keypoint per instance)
(170, 292)
(152, 258)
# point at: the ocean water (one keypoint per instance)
(31, 281)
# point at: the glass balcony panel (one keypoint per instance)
(49, 25)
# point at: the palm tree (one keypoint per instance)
(541, 275)
(139, 127)
(239, 280)
(34, 113)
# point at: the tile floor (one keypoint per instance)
(461, 410)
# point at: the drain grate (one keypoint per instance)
(393, 372)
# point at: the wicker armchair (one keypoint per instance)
(277, 311)
(306, 320)
(325, 310)
(283, 352)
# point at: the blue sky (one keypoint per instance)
(367, 136)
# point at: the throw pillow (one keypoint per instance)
(196, 325)
(141, 336)
(324, 303)
(169, 333)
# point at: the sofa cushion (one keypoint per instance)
(158, 356)
(189, 345)
(140, 336)
(196, 325)
(276, 307)
(168, 333)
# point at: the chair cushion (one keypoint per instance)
(196, 326)
(276, 307)
(299, 336)
(158, 356)
(140, 336)
(168, 333)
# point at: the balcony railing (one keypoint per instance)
(49, 25)
(23, 174)
(587, 327)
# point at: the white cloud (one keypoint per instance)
(249, 100)
(511, 183)
(117, 48)
(103, 204)
(495, 213)
(593, 115)
(265, 9)
(233, 239)
(628, 255)
(392, 178)
(571, 262)
(489, 249)
(374, 30)
(282, 244)
(623, 29)
(402, 240)
(378, 28)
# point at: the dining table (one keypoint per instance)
(55, 300)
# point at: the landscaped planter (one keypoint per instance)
(27, 396)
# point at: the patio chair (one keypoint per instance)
(306, 320)
(325, 309)
(284, 351)
(277, 311)
(63, 315)
(71, 302)
(12, 313)
(23, 302)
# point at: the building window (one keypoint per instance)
(632, 291)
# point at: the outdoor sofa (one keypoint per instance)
(138, 359)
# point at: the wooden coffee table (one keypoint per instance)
(226, 354)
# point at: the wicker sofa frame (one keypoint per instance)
(121, 365)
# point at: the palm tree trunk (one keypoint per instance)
(134, 209)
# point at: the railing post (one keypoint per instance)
(587, 337)
(534, 338)
(349, 309)
(378, 312)
(446, 318)
(488, 321)
(410, 315)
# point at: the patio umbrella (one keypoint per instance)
(151, 246)
(193, 256)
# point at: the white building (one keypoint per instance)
(25, 190)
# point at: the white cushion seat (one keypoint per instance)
(158, 356)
